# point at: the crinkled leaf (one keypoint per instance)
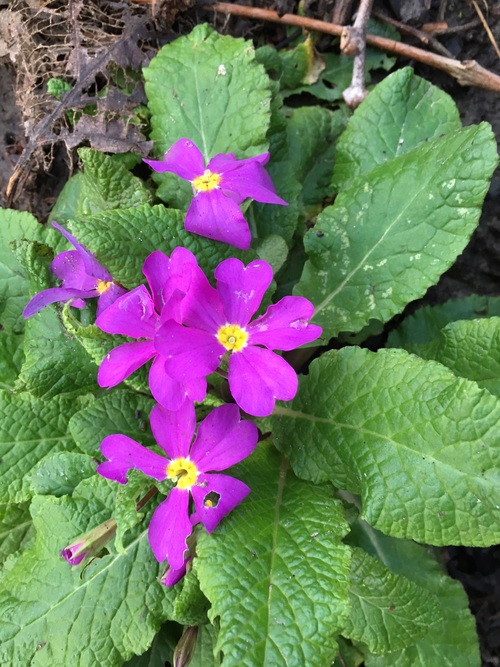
(383, 244)
(191, 606)
(54, 363)
(275, 570)
(30, 428)
(471, 349)
(425, 324)
(388, 611)
(14, 285)
(419, 445)
(273, 249)
(98, 615)
(16, 529)
(453, 641)
(135, 233)
(120, 411)
(11, 358)
(402, 112)
(107, 184)
(60, 473)
(217, 95)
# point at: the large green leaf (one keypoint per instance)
(384, 243)
(402, 112)
(471, 349)
(136, 232)
(452, 642)
(16, 529)
(275, 571)
(30, 429)
(14, 285)
(419, 445)
(388, 611)
(425, 324)
(217, 95)
(55, 614)
(11, 358)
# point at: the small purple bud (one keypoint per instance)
(184, 650)
(90, 543)
(170, 577)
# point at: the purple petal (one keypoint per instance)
(92, 266)
(223, 163)
(169, 529)
(242, 287)
(216, 216)
(202, 308)
(70, 268)
(53, 295)
(257, 377)
(165, 389)
(285, 325)
(74, 554)
(174, 431)
(108, 297)
(184, 158)
(122, 361)
(125, 454)
(189, 353)
(170, 577)
(159, 271)
(132, 315)
(230, 492)
(223, 439)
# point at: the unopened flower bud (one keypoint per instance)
(89, 543)
(184, 650)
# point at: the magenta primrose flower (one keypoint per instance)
(223, 439)
(82, 278)
(219, 189)
(138, 315)
(218, 321)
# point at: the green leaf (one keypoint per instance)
(99, 615)
(30, 429)
(55, 363)
(348, 655)
(67, 203)
(60, 473)
(453, 641)
(135, 233)
(191, 606)
(419, 445)
(14, 285)
(402, 112)
(11, 358)
(218, 96)
(275, 571)
(382, 245)
(120, 411)
(161, 651)
(16, 529)
(388, 611)
(471, 349)
(426, 323)
(204, 651)
(107, 185)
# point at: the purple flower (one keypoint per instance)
(217, 321)
(223, 439)
(82, 278)
(138, 315)
(218, 189)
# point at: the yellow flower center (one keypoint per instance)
(182, 471)
(103, 286)
(233, 337)
(208, 181)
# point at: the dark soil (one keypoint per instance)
(477, 270)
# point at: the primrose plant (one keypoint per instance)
(196, 442)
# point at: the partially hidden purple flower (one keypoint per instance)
(90, 543)
(218, 189)
(218, 321)
(223, 439)
(82, 278)
(138, 314)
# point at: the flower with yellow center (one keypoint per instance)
(183, 472)
(208, 181)
(232, 337)
(103, 286)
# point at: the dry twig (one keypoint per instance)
(466, 72)
(353, 43)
